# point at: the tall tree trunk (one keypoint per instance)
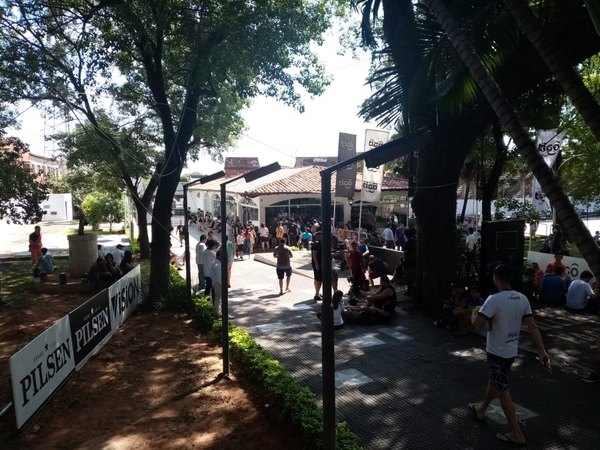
(550, 184)
(142, 223)
(434, 204)
(558, 64)
(491, 183)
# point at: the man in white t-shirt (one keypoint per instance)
(200, 247)
(118, 254)
(580, 292)
(505, 311)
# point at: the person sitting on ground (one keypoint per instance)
(114, 270)
(338, 310)
(553, 287)
(445, 315)
(465, 310)
(99, 274)
(45, 263)
(378, 310)
(127, 262)
(581, 296)
(174, 259)
(384, 297)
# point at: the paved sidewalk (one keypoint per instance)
(407, 385)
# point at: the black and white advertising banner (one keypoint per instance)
(90, 327)
(373, 176)
(345, 178)
(549, 143)
(124, 296)
(39, 368)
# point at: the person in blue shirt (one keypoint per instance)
(553, 287)
(46, 262)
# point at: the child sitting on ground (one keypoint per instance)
(338, 309)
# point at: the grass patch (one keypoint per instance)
(17, 282)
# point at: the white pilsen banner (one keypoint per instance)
(373, 176)
(549, 143)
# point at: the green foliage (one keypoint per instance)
(103, 207)
(581, 151)
(295, 404)
(177, 289)
(516, 208)
(17, 283)
(21, 194)
(203, 313)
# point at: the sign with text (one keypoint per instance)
(90, 327)
(373, 176)
(39, 368)
(345, 178)
(124, 296)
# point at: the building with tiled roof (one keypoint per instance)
(293, 192)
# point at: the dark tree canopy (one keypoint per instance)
(21, 194)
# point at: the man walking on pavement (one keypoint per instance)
(505, 310)
(283, 254)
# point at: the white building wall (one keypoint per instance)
(58, 207)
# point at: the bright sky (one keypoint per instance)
(275, 132)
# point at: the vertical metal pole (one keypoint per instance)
(359, 213)
(186, 234)
(327, 340)
(224, 286)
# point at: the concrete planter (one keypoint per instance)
(83, 252)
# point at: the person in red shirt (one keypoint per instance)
(355, 261)
(557, 262)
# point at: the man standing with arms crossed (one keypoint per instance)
(505, 310)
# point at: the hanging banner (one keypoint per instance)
(549, 143)
(373, 176)
(345, 178)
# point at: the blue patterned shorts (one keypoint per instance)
(499, 371)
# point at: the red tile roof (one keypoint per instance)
(298, 180)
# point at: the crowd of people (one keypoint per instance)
(110, 266)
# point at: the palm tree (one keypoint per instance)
(549, 182)
(571, 83)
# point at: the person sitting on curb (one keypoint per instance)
(464, 312)
(553, 287)
(45, 263)
(338, 310)
(581, 296)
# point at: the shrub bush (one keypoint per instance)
(296, 404)
(177, 289)
(203, 313)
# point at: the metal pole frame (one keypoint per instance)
(250, 176)
(327, 331)
(224, 284)
(186, 234)
(374, 157)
